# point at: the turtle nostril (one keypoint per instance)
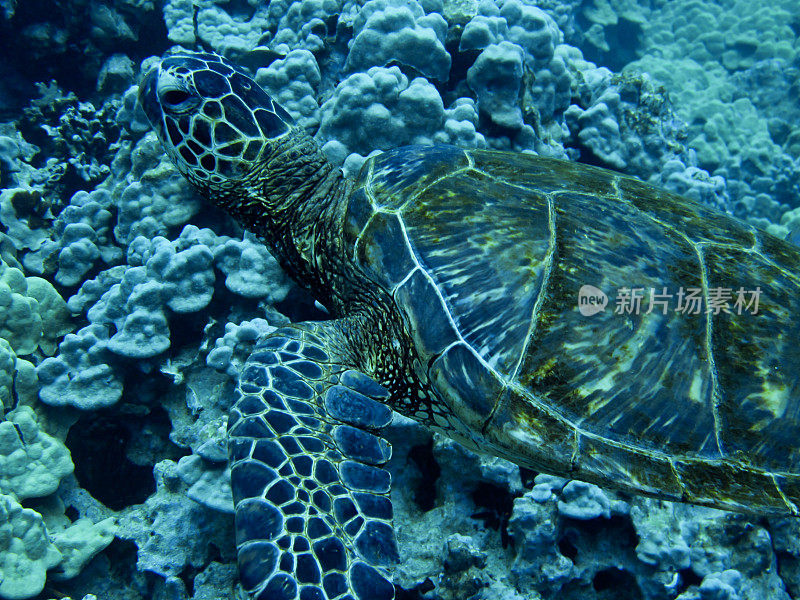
(175, 97)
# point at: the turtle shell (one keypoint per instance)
(485, 254)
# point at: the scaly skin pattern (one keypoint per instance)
(452, 277)
(313, 515)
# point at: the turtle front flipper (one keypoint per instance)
(313, 515)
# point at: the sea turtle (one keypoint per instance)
(468, 290)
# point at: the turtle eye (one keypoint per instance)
(175, 98)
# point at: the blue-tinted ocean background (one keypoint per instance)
(127, 306)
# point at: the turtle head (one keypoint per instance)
(214, 121)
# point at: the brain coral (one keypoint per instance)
(32, 463)
(399, 31)
(381, 109)
(32, 313)
(26, 552)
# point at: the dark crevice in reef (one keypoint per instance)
(499, 503)
(117, 557)
(71, 513)
(795, 25)
(212, 217)
(187, 575)
(617, 584)
(425, 493)
(587, 155)
(584, 535)
(100, 444)
(788, 571)
(624, 39)
(580, 542)
(186, 330)
(121, 553)
(567, 548)
(687, 578)
(456, 86)
(527, 476)
(417, 593)
(76, 51)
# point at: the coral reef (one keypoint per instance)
(400, 31)
(127, 306)
(390, 111)
(729, 72)
(26, 551)
(293, 82)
